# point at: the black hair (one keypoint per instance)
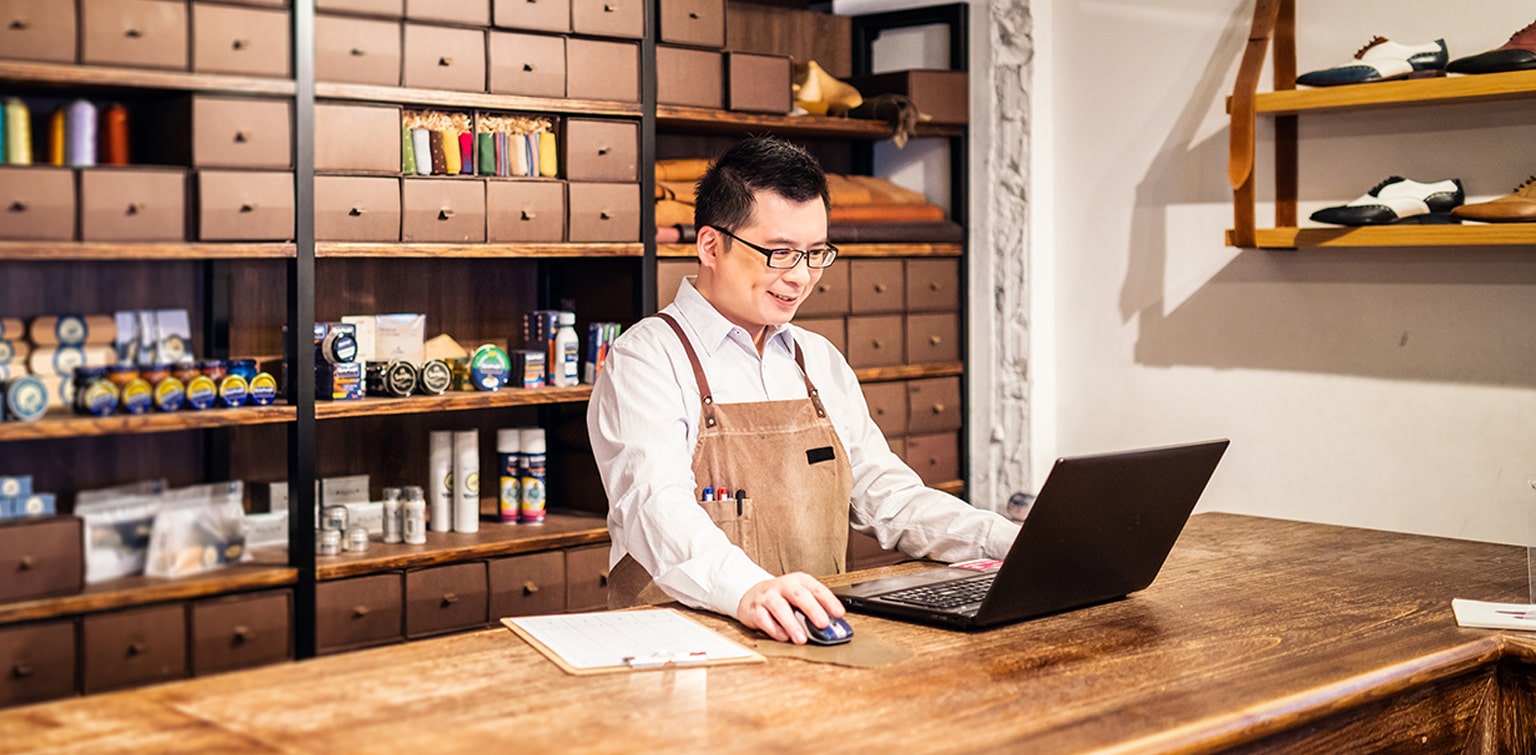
(758, 163)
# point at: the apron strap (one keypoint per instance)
(705, 394)
(810, 387)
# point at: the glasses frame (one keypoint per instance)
(800, 254)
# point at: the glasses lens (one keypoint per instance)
(783, 258)
(820, 257)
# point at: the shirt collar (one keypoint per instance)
(711, 328)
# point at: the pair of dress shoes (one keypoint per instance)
(1398, 200)
(1518, 54)
(1384, 60)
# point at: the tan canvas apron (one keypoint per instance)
(787, 457)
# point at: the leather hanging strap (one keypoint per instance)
(1240, 161)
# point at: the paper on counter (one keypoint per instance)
(1484, 615)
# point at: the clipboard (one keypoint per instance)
(639, 640)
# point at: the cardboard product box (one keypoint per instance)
(139, 33)
(399, 336)
(441, 57)
(525, 211)
(16, 486)
(602, 70)
(357, 50)
(442, 210)
(758, 83)
(945, 95)
(244, 206)
(694, 78)
(693, 22)
(42, 30)
(357, 208)
(241, 41)
(601, 150)
(604, 212)
(38, 202)
(339, 382)
(347, 489)
(362, 138)
(133, 204)
(532, 65)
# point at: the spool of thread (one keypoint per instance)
(519, 150)
(435, 149)
(466, 153)
(114, 140)
(18, 133)
(56, 138)
(80, 150)
(12, 328)
(549, 162)
(440, 480)
(421, 142)
(452, 159)
(508, 463)
(73, 330)
(466, 481)
(407, 152)
(486, 146)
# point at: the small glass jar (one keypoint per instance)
(357, 540)
(327, 542)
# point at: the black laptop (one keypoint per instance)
(1099, 530)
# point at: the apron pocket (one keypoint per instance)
(739, 526)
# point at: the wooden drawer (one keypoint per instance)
(693, 22)
(935, 458)
(354, 208)
(670, 275)
(37, 662)
(933, 405)
(609, 18)
(864, 552)
(358, 612)
(37, 204)
(37, 30)
(601, 150)
(933, 339)
(604, 212)
(357, 50)
(443, 209)
(830, 296)
(133, 204)
(40, 558)
(362, 138)
(130, 648)
(528, 585)
(834, 329)
(602, 70)
(695, 78)
(758, 83)
(532, 65)
(933, 285)
(241, 41)
(244, 206)
(141, 33)
(467, 12)
(445, 599)
(534, 15)
(440, 57)
(887, 406)
(234, 132)
(898, 447)
(390, 8)
(878, 286)
(875, 341)
(586, 573)
(241, 631)
(525, 211)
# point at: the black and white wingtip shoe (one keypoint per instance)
(1383, 60)
(1399, 200)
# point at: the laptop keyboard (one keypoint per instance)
(945, 594)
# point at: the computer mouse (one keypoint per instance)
(836, 632)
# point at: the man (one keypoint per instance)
(761, 407)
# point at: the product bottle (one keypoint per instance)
(567, 349)
(531, 509)
(508, 463)
(393, 521)
(414, 516)
(466, 481)
(440, 481)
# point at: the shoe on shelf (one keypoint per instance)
(1381, 59)
(1399, 200)
(1518, 54)
(1518, 206)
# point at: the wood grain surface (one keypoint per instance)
(1450, 89)
(1260, 634)
(119, 251)
(1498, 234)
(843, 250)
(111, 76)
(447, 98)
(141, 590)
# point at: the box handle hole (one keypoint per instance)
(247, 208)
(528, 67)
(530, 588)
(449, 599)
(27, 562)
(356, 212)
(445, 61)
(241, 44)
(133, 33)
(604, 215)
(135, 208)
(243, 634)
(359, 612)
(528, 215)
(693, 15)
(21, 671)
(445, 214)
(137, 648)
(358, 52)
(18, 206)
(933, 285)
(18, 24)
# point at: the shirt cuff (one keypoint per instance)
(1000, 538)
(733, 581)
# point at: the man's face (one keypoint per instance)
(741, 285)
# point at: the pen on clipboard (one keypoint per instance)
(658, 660)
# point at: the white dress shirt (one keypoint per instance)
(643, 419)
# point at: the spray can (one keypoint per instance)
(508, 465)
(414, 516)
(440, 480)
(393, 520)
(531, 508)
(567, 351)
(466, 481)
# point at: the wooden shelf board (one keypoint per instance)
(493, 539)
(135, 591)
(908, 372)
(953, 487)
(712, 121)
(336, 249)
(62, 425)
(1507, 234)
(146, 78)
(844, 250)
(482, 100)
(104, 251)
(1450, 89)
(451, 401)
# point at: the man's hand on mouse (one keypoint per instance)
(769, 606)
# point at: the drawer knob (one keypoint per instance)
(445, 214)
(135, 208)
(22, 671)
(880, 411)
(876, 343)
(359, 612)
(445, 61)
(449, 599)
(530, 588)
(133, 33)
(935, 340)
(933, 285)
(18, 206)
(358, 52)
(27, 562)
(18, 24)
(356, 212)
(609, 8)
(693, 15)
(938, 408)
(241, 137)
(528, 67)
(247, 207)
(243, 634)
(823, 288)
(879, 288)
(137, 648)
(241, 44)
(604, 215)
(528, 215)
(602, 578)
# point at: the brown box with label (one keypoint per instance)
(609, 18)
(140, 33)
(442, 57)
(133, 204)
(244, 206)
(533, 15)
(604, 212)
(37, 30)
(758, 83)
(37, 203)
(596, 70)
(357, 208)
(357, 138)
(694, 78)
(442, 210)
(601, 150)
(357, 50)
(241, 41)
(532, 65)
(525, 211)
(945, 95)
(693, 22)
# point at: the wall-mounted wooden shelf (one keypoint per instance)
(909, 372)
(699, 120)
(843, 250)
(100, 76)
(136, 591)
(953, 487)
(334, 249)
(453, 401)
(1453, 89)
(1508, 234)
(480, 100)
(103, 251)
(61, 425)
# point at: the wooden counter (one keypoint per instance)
(1259, 634)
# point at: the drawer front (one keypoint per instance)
(41, 558)
(231, 132)
(693, 22)
(357, 50)
(535, 15)
(447, 210)
(439, 57)
(532, 65)
(244, 206)
(898, 447)
(933, 285)
(933, 405)
(875, 341)
(933, 339)
(242, 631)
(695, 78)
(446, 599)
(602, 70)
(609, 18)
(878, 286)
(37, 662)
(830, 296)
(142, 33)
(670, 275)
(390, 8)
(362, 138)
(37, 30)
(935, 458)
(132, 205)
(468, 12)
(525, 211)
(758, 83)
(37, 204)
(241, 41)
(604, 212)
(888, 407)
(834, 329)
(586, 571)
(352, 208)
(527, 585)
(358, 612)
(130, 648)
(601, 150)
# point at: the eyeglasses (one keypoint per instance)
(783, 259)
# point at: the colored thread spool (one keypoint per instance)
(80, 149)
(407, 152)
(18, 133)
(549, 163)
(56, 142)
(486, 145)
(452, 160)
(466, 153)
(421, 142)
(115, 136)
(435, 149)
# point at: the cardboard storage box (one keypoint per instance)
(357, 50)
(601, 150)
(878, 285)
(933, 405)
(140, 33)
(238, 132)
(887, 406)
(933, 285)
(50, 548)
(525, 211)
(362, 138)
(389, 8)
(604, 212)
(441, 57)
(945, 95)
(467, 12)
(834, 329)
(669, 275)
(241, 41)
(830, 296)
(37, 30)
(532, 65)
(933, 338)
(609, 18)
(596, 70)
(442, 210)
(133, 204)
(875, 341)
(533, 15)
(935, 458)
(241, 631)
(758, 83)
(244, 206)
(37, 203)
(689, 77)
(693, 22)
(48, 651)
(357, 208)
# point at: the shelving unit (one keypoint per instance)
(845, 251)
(59, 425)
(100, 251)
(339, 249)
